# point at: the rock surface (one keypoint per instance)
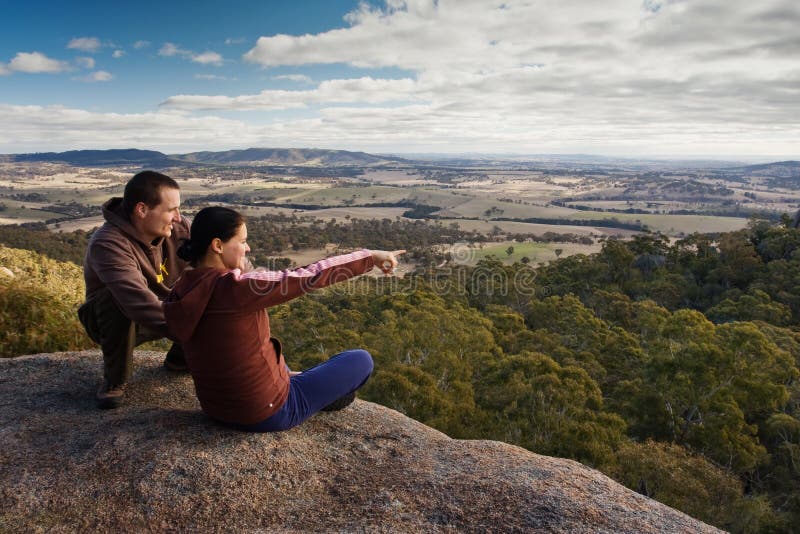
(159, 464)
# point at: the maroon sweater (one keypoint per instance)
(218, 315)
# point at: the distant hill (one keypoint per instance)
(91, 158)
(285, 156)
(779, 169)
(250, 156)
(317, 157)
(784, 174)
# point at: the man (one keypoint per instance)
(130, 266)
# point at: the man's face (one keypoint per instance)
(157, 221)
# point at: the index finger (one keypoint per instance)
(398, 252)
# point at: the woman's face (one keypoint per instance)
(235, 248)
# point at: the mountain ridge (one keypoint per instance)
(250, 156)
(92, 157)
(286, 156)
(316, 157)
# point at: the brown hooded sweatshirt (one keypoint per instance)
(119, 258)
(218, 316)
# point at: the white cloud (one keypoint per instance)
(622, 77)
(276, 100)
(212, 77)
(416, 128)
(102, 76)
(85, 44)
(363, 90)
(37, 128)
(36, 62)
(85, 62)
(98, 76)
(118, 53)
(138, 45)
(4, 70)
(587, 75)
(207, 58)
(301, 78)
(170, 49)
(232, 41)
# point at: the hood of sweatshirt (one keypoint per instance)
(188, 300)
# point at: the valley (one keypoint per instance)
(536, 206)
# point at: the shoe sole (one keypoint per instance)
(109, 403)
(341, 403)
(175, 367)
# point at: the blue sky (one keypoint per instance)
(137, 31)
(618, 77)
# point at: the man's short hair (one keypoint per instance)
(146, 187)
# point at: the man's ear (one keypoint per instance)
(140, 210)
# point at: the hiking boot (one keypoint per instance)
(175, 360)
(110, 396)
(341, 403)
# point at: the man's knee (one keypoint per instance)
(102, 318)
(89, 322)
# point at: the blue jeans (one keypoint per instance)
(316, 388)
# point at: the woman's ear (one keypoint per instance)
(216, 245)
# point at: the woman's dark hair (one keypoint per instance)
(146, 187)
(208, 224)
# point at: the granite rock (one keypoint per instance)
(159, 464)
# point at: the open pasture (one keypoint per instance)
(396, 177)
(482, 207)
(535, 252)
(672, 225)
(341, 214)
(514, 227)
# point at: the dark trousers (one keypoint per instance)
(117, 335)
(315, 388)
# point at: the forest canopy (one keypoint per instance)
(674, 367)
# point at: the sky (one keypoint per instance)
(627, 78)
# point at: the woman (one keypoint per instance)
(216, 310)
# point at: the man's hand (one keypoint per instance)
(386, 261)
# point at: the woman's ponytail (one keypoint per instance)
(186, 251)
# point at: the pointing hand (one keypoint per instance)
(386, 261)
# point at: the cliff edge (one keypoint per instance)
(159, 464)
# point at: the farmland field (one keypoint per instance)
(535, 252)
(492, 201)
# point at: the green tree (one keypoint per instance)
(688, 482)
(738, 261)
(549, 409)
(607, 352)
(321, 335)
(707, 387)
(449, 342)
(756, 305)
(38, 305)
